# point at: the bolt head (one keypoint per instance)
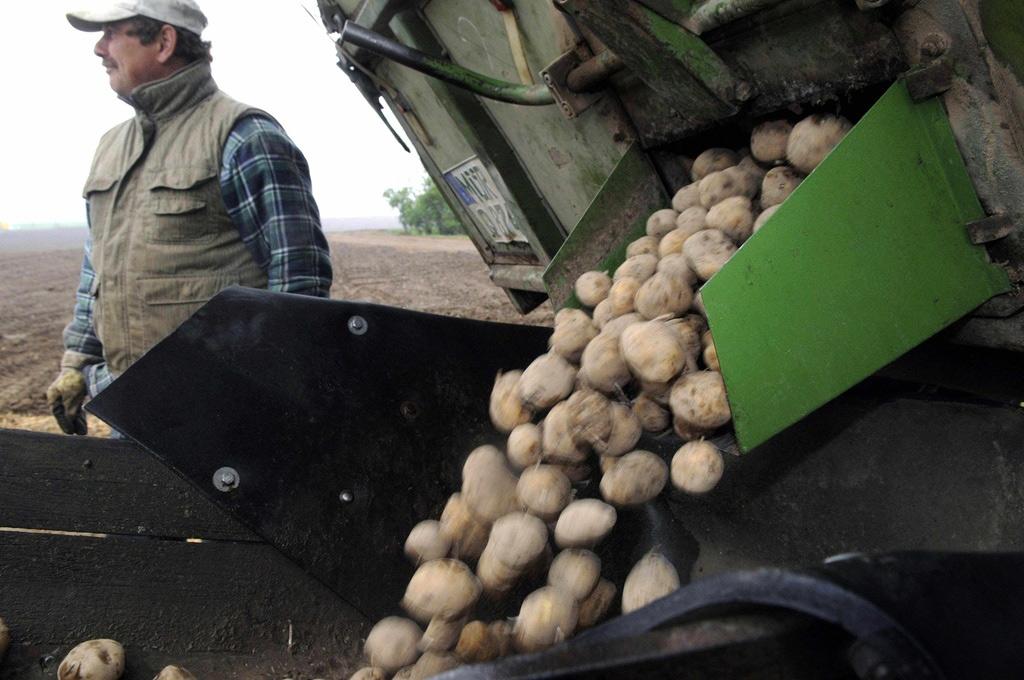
(346, 496)
(227, 478)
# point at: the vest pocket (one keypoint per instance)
(179, 206)
(169, 302)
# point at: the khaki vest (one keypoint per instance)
(162, 241)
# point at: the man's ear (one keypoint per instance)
(168, 41)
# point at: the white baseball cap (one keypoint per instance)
(182, 13)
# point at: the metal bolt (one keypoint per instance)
(934, 45)
(357, 325)
(226, 479)
(346, 496)
(409, 410)
(744, 91)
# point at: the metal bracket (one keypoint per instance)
(1001, 306)
(929, 81)
(865, 5)
(990, 229)
(555, 76)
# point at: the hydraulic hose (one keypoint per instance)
(477, 83)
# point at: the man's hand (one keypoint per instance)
(65, 396)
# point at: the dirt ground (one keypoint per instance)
(437, 275)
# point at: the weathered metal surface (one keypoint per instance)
(59, 483)
(521, 277)
(991, 228)
(617, 215)
(566, 160)
(92, 545)
(830, 50)
(929, 81)
(714, 13)
(388, 416)
(556, 74)
(671, 61)
(812, 284)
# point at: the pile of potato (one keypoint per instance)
(639, 358)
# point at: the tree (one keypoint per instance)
(425, 211)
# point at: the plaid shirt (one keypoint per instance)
(265, 183)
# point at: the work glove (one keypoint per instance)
(65, 397)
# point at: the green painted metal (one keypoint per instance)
(865, 260)
(617, 215)
(492, 88)
(1003, 23)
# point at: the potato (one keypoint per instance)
(734, 217)
(558, 440)
(764, 217)
(575, 472)
(696, 467)
(546, 381)
(691, 220)
(603, 365)
(700, 399)
(547, 617)
(524, 446)
(427, 542)
(687, 431)
(663, 294)
(517, 540)
(650, 579)
(488, 486)
(624, 434)
(707, 251)
(698, 305)
(478, 643)
(504, 634)
(768, 141)
(639, 267)
(778, 184)
(651, 416)
(573, 330)
(495, 578)
(597, 604)
(404, 673)
(652, 351)
(592, 287)
(661, 222)
(676, 266)
(755, 173)
(584, 523)
(637, 478)
(728, 183)
(101, 659)
(672, 242)
(575, 571)
(392, 642)
(589, 416)
(620, 299)
(367, 673)
(179, 673)
(710, 355)
(444, 588)
(621, 323)
(690, 341)
(712, 160)
(441, 634)
(544, 491)
(468, 535)
(645, 245)
(657, 391)
(813, 138)
(433, 663)
(687, 197)
(507, 408)
(603, 313)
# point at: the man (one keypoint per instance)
(197, 192)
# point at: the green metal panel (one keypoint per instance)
(866, 259)
(616, 216)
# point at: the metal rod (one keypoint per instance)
(714, 13)
(592, 73)
(485, 86)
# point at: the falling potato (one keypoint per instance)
(645, 245)
(427, 542)
(101, 659)
(592, 287)
(636, 478)
(524, 446)
(488, 485)
(813, 138)
(712, 160)
(179, 673)
(575, 571)
(768, 141)
(441, 634)
(697, 467)
(548, 616)
(444, 588)
(699, 398)
(687, 197)
(467, 534)
(650, 579)
(368, 673)
(661, 222)
(584, 523)
(597, 604)
(507, 408)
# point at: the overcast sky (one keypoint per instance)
(55, 103)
